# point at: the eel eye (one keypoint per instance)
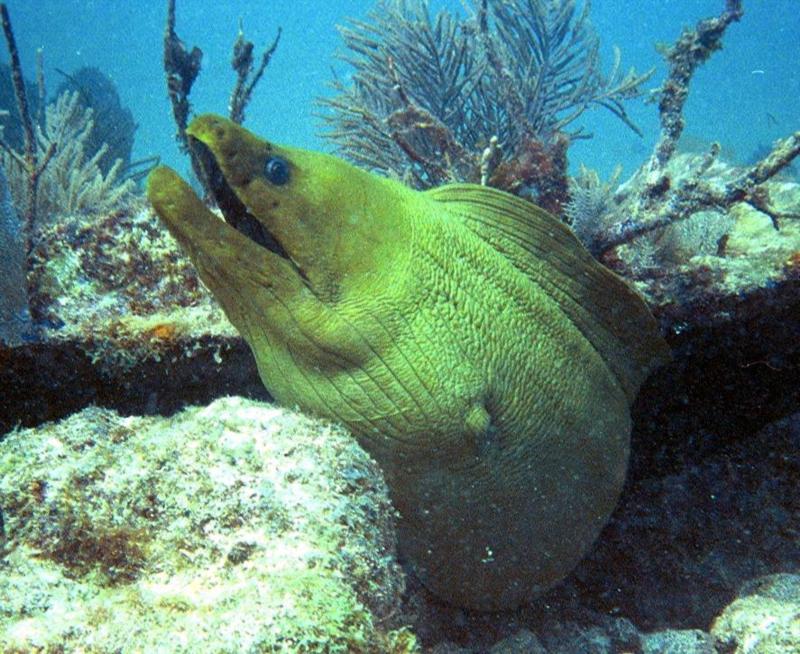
(277, 170)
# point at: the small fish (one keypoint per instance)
(464, 336)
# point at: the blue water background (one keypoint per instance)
(746, 96)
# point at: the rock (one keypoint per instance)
(726, 289)
(234, 527)
(574, 638)
(678, 641)
(119, 308)
(522, 642)
(765, 619)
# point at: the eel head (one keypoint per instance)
(288, 212)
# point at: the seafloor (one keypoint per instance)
(141, 512)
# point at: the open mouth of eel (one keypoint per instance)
(233, 209)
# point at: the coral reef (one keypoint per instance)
(115, 283)
(700, 480)
(233, 527)
(691, 270)
(90, 269)
(73, 179)
(113, 124)
(701, 555)
(596, 208)
(427, 94)
(59, 165)
(121, 309)
(659, 200)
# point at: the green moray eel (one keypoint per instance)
(463, 335)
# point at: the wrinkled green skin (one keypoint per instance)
(502, 434)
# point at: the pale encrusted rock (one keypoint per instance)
(229, 528)
(765, 619)
(678, 641)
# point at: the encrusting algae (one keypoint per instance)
(465, 337)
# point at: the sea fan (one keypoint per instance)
(427, 94)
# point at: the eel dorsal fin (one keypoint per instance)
(611, 315)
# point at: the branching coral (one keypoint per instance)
(72, 180)
(545, 54)
(182, 66)
(114, 124)
(431, 97)
(659, 202)
(58, 166)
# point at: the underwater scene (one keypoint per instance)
(400, 326)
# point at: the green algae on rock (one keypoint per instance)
(463, 335)
(233, 527)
